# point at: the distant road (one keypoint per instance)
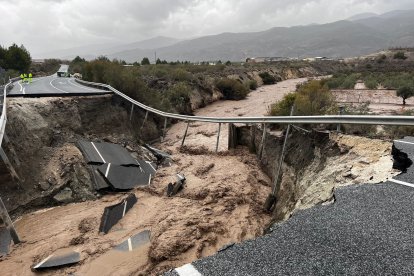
(52, 85)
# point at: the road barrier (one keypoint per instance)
(325, 119)
(3, 117)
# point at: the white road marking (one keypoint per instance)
(404, 142)
(42, 262)
(129, 244)
(149, 163)
(24, 90)
(125, 205)
(56, 87)
(149, 180)
(107, 170)
(20, 84)
(83, 87)
(98, 152)
(187, 270)
(402, 182)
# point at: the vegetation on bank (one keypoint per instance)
(168, 87)
(311, 98)
(390, 80)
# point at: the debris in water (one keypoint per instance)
(173, 189)
(60, 258)
(112, 214)
(135, 241)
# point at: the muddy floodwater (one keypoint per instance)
(221, 203)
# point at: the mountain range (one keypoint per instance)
(359, 35)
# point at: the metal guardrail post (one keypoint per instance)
(145, 119)
(218, 137)
(262, 142)
(271, 199)
(132, 111)
(341, 112)
(9, 166)
(8, 222)
(165, 128)
(185, 133)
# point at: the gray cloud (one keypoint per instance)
(57, 24)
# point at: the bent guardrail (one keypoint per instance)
(3, 117)
(325, 119)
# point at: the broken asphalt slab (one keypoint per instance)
(5, 241)
(58, 259)
(100, 153)
(135, 241)
(113, 214)
(124, 178)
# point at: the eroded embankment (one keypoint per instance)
(317, 162)
(222, 201)
(220, 204)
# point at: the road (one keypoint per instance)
(52, 85)
(367, 231)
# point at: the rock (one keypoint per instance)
(65, 196)
(44, 186)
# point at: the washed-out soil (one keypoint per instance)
(221, 202)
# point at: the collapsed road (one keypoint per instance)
(367, 231)
(221, 202)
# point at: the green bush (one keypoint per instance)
(400, 55)
(179, 97)
(232, 89)
(253, 85)
(312, 98)
(267, 78)
(180, 74)
(283, 107)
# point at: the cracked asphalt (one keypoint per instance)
(369, 230)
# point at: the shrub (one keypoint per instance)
(283, 107)
(180, 74)
(400, 55)
(253, 85)
(179, 97)
(267, 78)
(312, 98)
(232, 89)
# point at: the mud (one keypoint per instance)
(221, 202)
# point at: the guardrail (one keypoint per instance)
(3, 117)
(326, 119)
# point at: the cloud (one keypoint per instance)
(47, 25)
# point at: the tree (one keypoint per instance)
(405, 92)
(78, 59)
(17, 58)
(158, 61)
(145, 61)
(228, 62)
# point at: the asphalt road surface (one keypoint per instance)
(367, 231)
(52, 85)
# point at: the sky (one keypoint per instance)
(47, 25)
